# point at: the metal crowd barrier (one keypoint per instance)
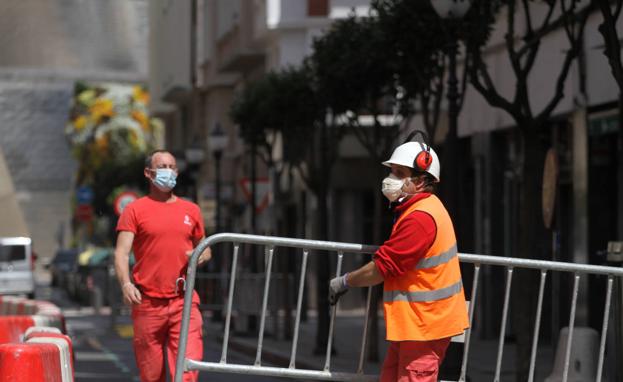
(184, 364)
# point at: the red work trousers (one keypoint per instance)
(157, 324)
(414, 361)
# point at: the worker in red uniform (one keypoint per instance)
(162, 230)
(423, 295)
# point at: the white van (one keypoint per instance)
(16, 266)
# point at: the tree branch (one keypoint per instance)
(546, 28)
(568, 26)
(528, 17)
(509, 38)
(611, 40)
(479, 72)
(361, 134)
(560, 82)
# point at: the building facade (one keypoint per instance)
(223, 45)
(47, 47)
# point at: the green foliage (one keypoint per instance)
(351, 66)
(280, 102)
(418, 38)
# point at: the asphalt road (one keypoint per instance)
(103, 350)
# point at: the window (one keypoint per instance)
(9, 253)
(317, 7)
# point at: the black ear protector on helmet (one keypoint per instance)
(424, 158)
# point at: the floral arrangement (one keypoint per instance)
(110, 122)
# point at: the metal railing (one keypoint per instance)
(184, 364)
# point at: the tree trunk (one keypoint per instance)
(530, 231)
(620, 169)
(373, 343)
(450, 179)
(322, 260)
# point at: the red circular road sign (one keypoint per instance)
(84, 212)
(123, 199)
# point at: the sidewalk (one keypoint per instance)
(347, 344)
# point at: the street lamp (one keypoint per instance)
(217, 143)
(453, 11)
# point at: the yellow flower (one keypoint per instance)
(140, 95)
(80, 122)
(101, 143)
(87, 97)
(102, 107)
(141, 118)
(133, 139)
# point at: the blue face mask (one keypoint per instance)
(165, 179)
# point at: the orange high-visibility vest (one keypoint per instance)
(427, 302)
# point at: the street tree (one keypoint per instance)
(351, 63)
(611, 13)
(522, 46)
(276, 114)
(284, 104)
(422, 46)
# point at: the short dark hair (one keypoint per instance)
(149, 157)
(430, 184)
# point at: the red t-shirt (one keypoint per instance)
(163, 232)
(408, 243)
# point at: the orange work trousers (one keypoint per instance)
(414, 361)
(157, 324)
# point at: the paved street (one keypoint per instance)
(103, 352)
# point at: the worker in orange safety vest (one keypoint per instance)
(418, 265)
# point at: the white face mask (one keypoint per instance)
(392, 187)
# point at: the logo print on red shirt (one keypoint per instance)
(187, 220)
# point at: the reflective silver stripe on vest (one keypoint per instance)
(433, 295)
(433, 261)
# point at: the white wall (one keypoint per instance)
(478, 116)
(601, 85)
(228, 16)
(342, 8)
(169, 48)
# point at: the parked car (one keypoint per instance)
(17, 266)
(62, 265)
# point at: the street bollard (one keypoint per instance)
(583, 359)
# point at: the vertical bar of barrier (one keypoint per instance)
(574, 302)
(327, 364)
(299, 303)
(364, 340)
(498, 365)
(468, 332)
(604, 329)
(537, 325)
(260, 338)
(230, 300)
(180, 362)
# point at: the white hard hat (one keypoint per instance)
(407, 155)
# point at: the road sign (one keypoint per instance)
(262, 192)
(123, 199)
(84, 195)
(84, 212)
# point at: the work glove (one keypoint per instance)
(337, 287)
